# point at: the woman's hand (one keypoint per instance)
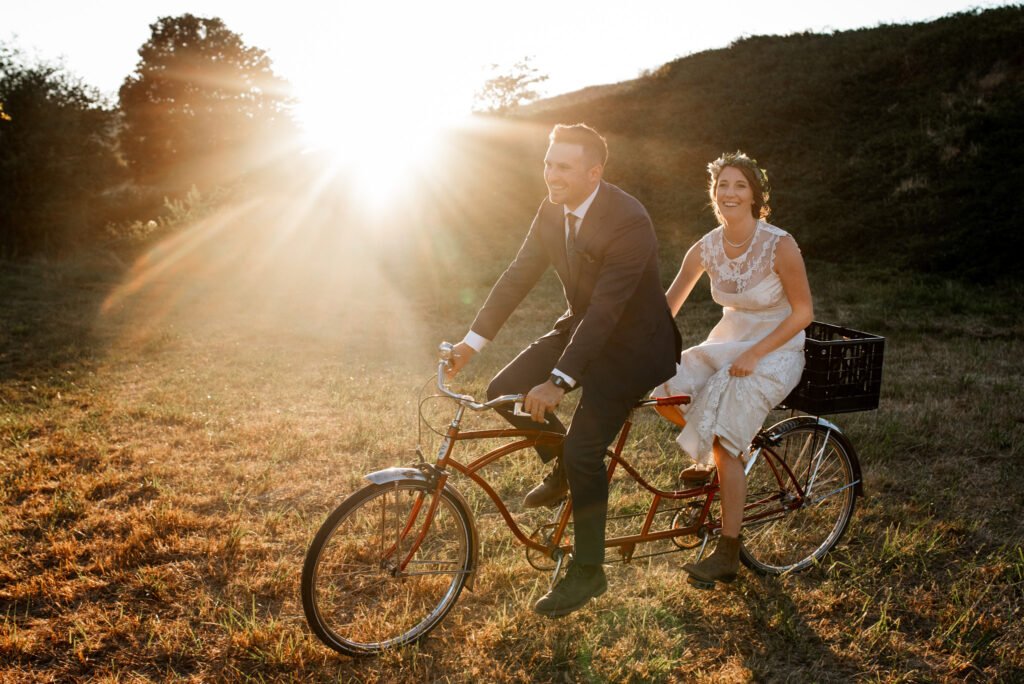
(744, 364)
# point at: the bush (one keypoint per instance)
(56, 157)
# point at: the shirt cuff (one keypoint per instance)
(555, 371)
(477, 342)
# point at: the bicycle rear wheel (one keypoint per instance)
(357, 596)
(800, 497)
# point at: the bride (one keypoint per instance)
(751, 359)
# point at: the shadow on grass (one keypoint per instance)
(47, 320)
(788, 643)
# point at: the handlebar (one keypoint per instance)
(445, 353)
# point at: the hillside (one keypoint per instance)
(897, 145)
(576, 98)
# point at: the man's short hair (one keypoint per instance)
(595, 147)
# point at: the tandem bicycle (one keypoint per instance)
(389, 563)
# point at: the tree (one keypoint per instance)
(506, 91)
(56, 157)
(200, 103)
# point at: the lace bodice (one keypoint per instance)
(735, 276)
(727, 408)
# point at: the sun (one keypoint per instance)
(380, 142)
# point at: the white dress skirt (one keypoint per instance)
(753, 303)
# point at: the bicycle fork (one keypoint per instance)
(436, 478)
(402, 530)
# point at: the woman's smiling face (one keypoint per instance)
(733, 195)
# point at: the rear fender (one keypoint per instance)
(428, 474)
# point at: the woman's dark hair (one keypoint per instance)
(755, 175)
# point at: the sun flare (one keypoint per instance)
(380, 149)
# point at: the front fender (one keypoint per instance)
(394, 474)
(428, 475)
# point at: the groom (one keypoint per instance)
(616, 341)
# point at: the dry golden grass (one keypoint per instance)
(172, 438)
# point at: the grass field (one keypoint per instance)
(173, 434)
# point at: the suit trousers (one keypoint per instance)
(526, 371)
(597, 420)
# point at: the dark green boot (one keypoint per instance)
(549, 492)
(580, 584)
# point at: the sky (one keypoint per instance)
(435, 54)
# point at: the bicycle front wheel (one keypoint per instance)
(800, 497)
(370, 582)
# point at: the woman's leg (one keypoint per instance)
(721, 566)
(732, 489)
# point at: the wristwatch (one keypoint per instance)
(560, 382)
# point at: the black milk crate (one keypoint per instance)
(843, 371)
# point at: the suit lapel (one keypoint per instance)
(588, 229)
(591, 221)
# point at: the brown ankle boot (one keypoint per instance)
(720, 566)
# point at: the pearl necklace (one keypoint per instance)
(737, 245)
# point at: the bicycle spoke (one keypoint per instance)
(819, 457)
(356, 597)
(787, 527)
(839, 490)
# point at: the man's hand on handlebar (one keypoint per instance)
(541, 399)
(461, 355)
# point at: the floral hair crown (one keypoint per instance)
(740, 159)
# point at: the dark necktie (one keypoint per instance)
(570, 240)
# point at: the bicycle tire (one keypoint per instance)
(356, 599)
(800, 527)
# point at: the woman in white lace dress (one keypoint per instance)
(752, 358)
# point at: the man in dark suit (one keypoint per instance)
(616, 341)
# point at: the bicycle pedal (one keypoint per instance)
(700, 584)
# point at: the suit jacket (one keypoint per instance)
(621, 336)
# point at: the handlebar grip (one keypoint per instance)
(445, 353)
